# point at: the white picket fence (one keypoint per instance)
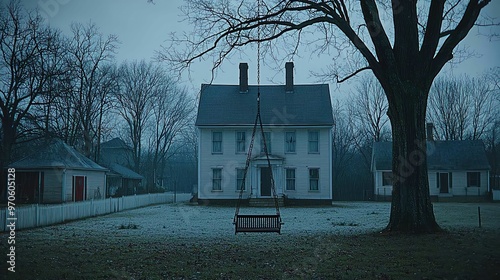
(43, 215)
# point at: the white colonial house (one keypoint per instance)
(297, 122)
(455, 168)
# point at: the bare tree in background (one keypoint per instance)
(172, 114)
(485, 107)
(463, 108)
(343, 142)
(26, 51)
(367, 108)
(90, 53)
(46, 110)
(449, 108)
(140, 83)
(405, 57)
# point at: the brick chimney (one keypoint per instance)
(243, 77)
(430, 131)
(289, 77)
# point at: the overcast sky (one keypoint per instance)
(142, 28)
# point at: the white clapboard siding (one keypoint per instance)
(229, 160)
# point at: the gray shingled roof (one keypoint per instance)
(308, 105)
(57, 154)
(442, 155)
(124, 172)
(115, 143)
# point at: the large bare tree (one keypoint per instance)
(140, 82)
(89, 58)
(26, 51)
(171, 115)
(404, 56)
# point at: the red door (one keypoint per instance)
(79, 188)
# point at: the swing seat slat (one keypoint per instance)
(258, 223)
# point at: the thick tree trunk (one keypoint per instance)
(411, 209)
(7, 142)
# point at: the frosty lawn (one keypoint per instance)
(182, 241)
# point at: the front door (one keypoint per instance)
(265, 181)
(443, 183)
(79, 187)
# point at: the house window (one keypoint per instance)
(314, 179)
(473, 179)
(240, 142)
(240, 183)
(313, 142)
(217, 142)
(290, 142)
(290, 179)
(387, 179)
(268, 142)
(217, 179)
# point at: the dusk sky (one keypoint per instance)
(142, 27)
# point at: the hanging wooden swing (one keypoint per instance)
(257, 223)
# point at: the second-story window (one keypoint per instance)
(268, 142)
(240, 142)
(290, 141)
(217, 142)
(313, 142)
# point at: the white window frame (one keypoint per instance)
(238, 180)
(389, 174)
(478, 179)
(294, 179)
(292, 144)
(219, 179)
(214, 141)
(315, 179)
(268, 142)
(241, 141)
(310, 141)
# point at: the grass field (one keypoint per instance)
(197, 242)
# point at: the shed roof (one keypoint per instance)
(441, 155)
(225, 105)
(124, 172)
(57, 154)
(115, 143)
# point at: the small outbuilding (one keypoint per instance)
(122, 181)
(58, 173)
(455, 169)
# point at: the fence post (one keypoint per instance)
(37, 216)
(479, 215)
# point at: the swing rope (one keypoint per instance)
(258, 122)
